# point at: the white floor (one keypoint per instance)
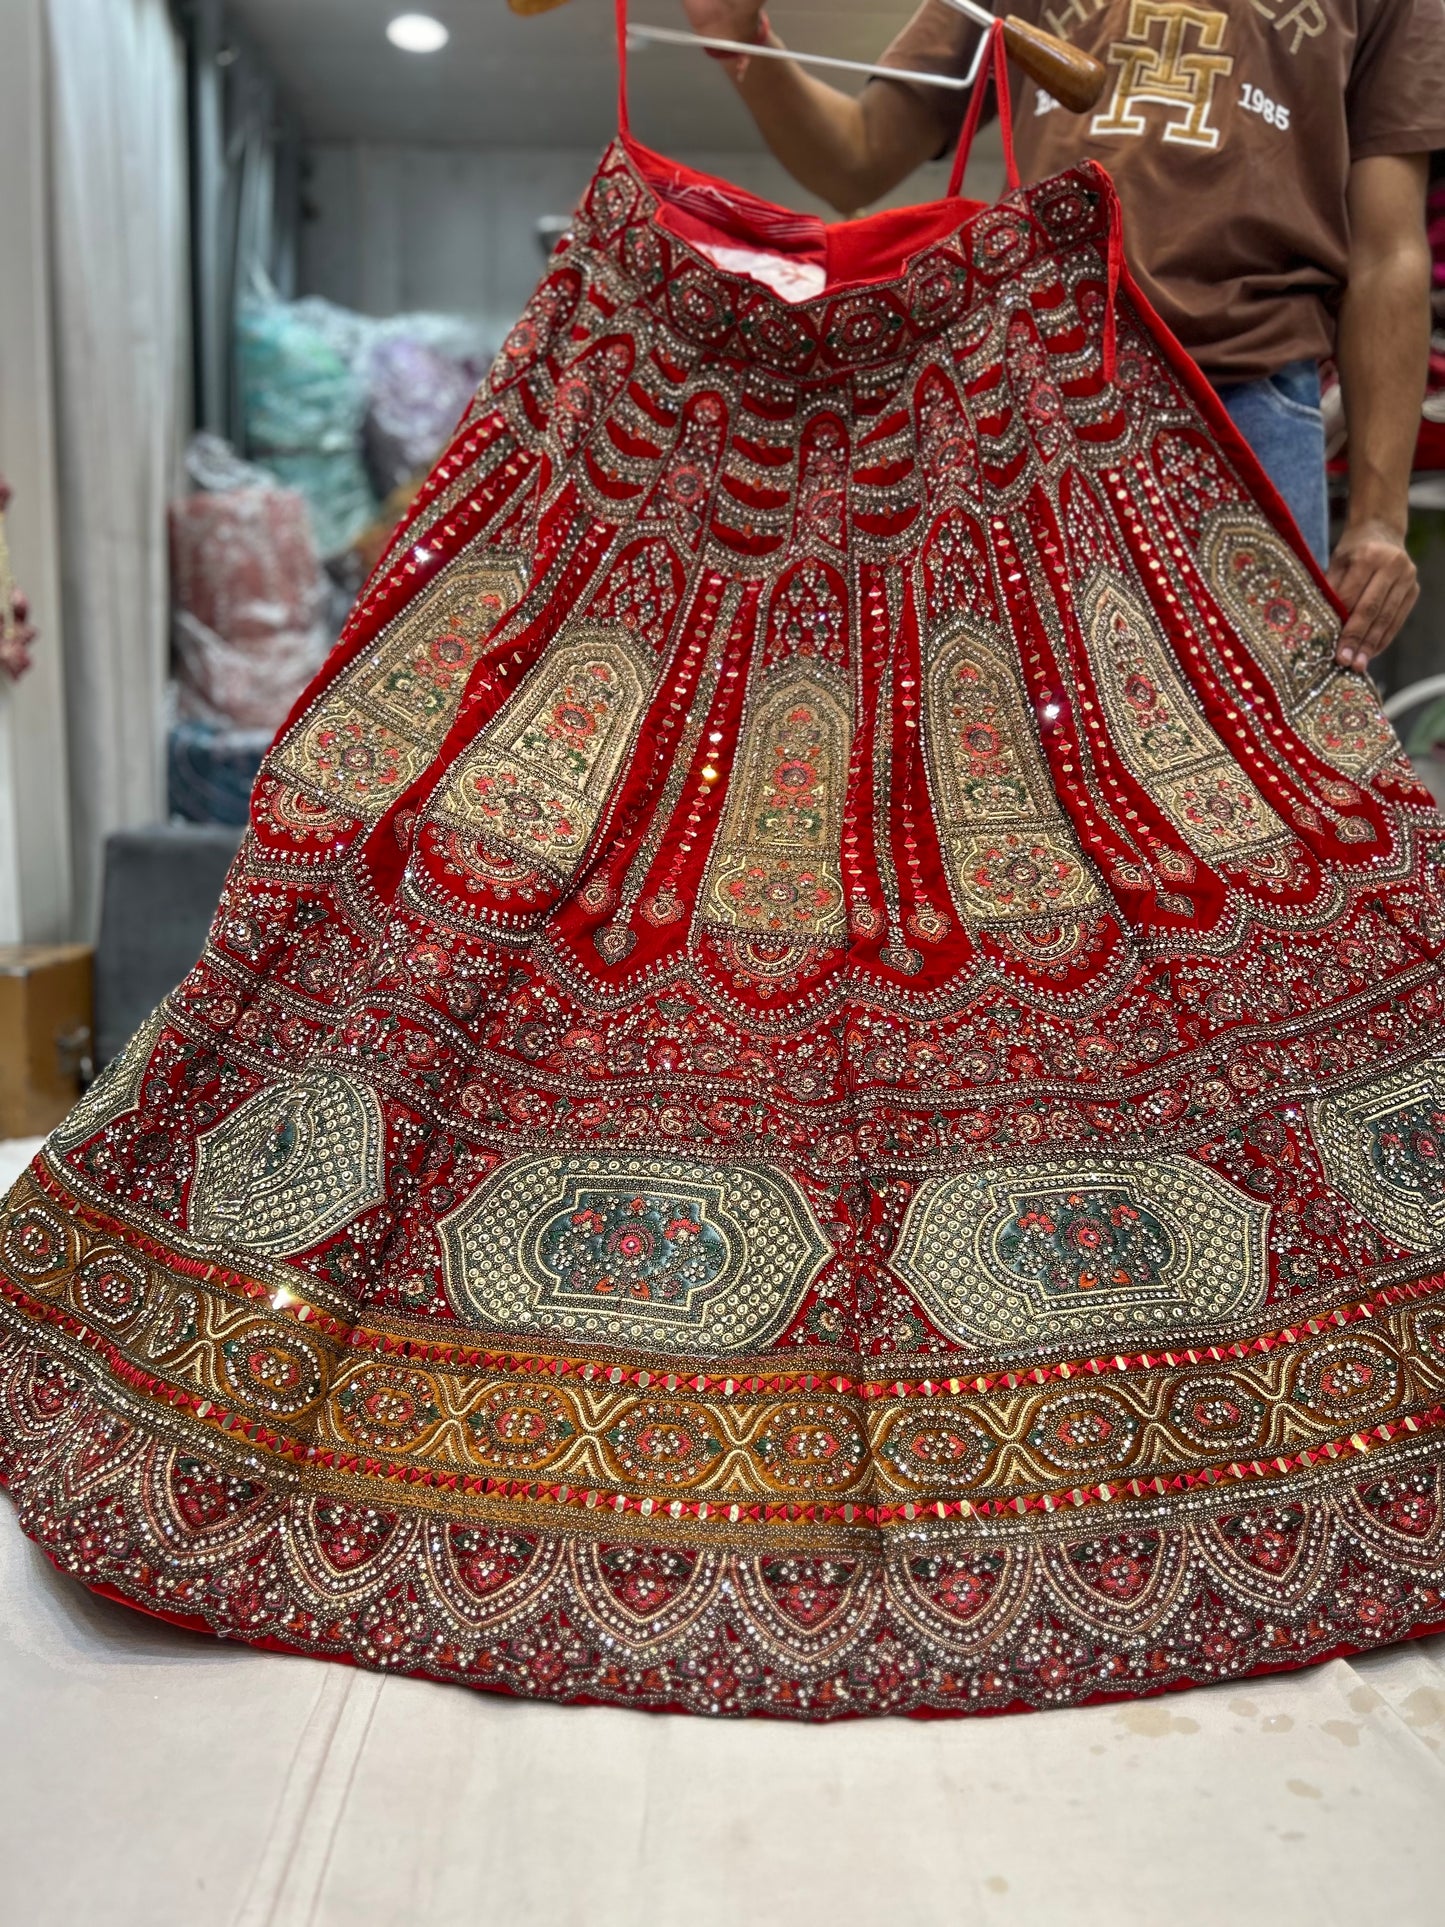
(149, 1777)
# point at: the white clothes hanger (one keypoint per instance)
(674, 37)
(1075, 79)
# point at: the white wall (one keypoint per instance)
(454, 228)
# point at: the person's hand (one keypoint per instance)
(1372, 574)
(725, 20)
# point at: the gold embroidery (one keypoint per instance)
(1162, 735)
(775, 870)
(1090, 1250)
(1383, 1145)
(290, 1166)
(384, 718)
(670, 1255)
(1011, 852)
(537, 779)
(116, 1091)
(1347, 728)
(1268, 595)
(748, 1440)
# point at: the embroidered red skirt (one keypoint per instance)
(820, 1087)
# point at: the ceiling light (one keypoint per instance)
(417, 33)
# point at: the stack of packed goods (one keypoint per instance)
(347, 408)
(249, 627)
(417, 391)
(305, 409)
(342, 416)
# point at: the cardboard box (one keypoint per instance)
(45, 1033)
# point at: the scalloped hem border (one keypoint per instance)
(271, 1643)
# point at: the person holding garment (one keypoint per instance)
(1271, 157)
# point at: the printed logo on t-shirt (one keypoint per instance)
(1173, 56)
(1170, 57)
(1299, 20)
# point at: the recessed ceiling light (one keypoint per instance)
(417, 33)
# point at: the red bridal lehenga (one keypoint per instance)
(820, 1087)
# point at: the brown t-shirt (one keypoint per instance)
(1229, 133)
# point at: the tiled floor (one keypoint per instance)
(149, 1777)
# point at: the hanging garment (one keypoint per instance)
(820, 1087)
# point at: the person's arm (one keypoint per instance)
(847, 151)
(1382, 351)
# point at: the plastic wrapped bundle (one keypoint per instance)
(305, 403)
(248, 596)
(418, 391)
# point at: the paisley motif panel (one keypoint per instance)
(1162, 735)
(661, 1253)
(776, 872)
(289, 1167)
(1383, 1145)
(1097, 1252)
(1260, 583)
(1011, 853)
(380, 723)
(537, 779)
(116, 1090)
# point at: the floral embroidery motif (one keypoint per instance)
(1084, 1432)
(1078, 1240)
(1219, 1414)
(37, 1244)
(1163, 736)
(383, 719)
(1348, 1381)
(543, 1245)
(1266, 591)
(943, 1452)
(659, 1253)
(290, 1166)
(114, 1092)
(387, 1406)
(539, 777)
(1012, 855)
(1102, 1252)
(273, 1370)
(1383, 1144)
(775, 873)
(647, 1250)
(111, 1287)
(666, 1442)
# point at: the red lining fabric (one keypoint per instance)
(702, 210)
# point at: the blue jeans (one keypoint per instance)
(1280, 419)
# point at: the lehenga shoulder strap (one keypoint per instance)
(995, 67)
(622, 122)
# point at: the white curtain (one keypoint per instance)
(118, 143)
